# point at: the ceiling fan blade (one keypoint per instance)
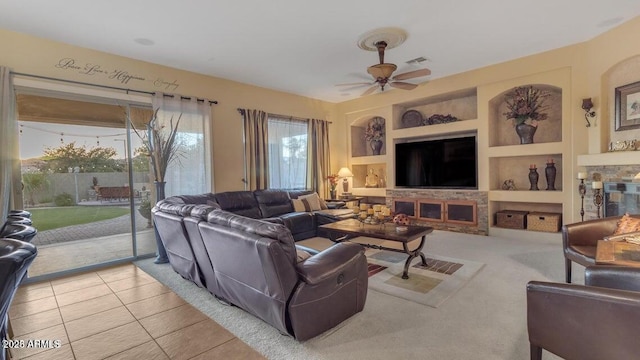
(370, 90)
(412, 74)
(403, 85)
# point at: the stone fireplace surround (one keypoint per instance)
(480, 197)
(608, 168)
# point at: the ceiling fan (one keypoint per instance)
(382, 74)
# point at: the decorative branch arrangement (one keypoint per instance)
(160, 144)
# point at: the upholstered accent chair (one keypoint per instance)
(598, 320)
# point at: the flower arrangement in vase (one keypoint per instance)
(374, 134)
(526, 105)
(333, 183)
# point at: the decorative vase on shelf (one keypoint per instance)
(550, 173)
(533, 178)
(332, 193)
(376, 146)
(526, 132)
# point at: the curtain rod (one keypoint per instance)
(241, 111)
(107, 86)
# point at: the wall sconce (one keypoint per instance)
(587, 105)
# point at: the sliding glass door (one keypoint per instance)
(86, 185)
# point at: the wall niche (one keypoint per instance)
(360, 146)
(502, 131)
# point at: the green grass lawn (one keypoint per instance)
(52, 218)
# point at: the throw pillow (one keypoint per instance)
(298, 205)
(627, 224)
(323, 204)
(313, 200)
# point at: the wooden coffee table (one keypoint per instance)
(348, 229)
(617, 253)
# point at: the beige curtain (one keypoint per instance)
(192, 171)
(256, 147)
(319, 164)
(8, 144)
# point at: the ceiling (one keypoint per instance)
(306, 47)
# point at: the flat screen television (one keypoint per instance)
(438, 164)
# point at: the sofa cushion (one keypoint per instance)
(299, 222)
(173, 205)
(256, 226)
(273, 202)
(239, 202)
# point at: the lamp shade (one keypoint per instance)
(345, 172)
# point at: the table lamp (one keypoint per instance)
(345, 173)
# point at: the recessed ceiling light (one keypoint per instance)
(610, 22)
(144, 41)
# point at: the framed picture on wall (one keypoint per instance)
(628, 107)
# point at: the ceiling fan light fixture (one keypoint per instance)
(381, 71)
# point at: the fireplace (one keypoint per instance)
(621, 197)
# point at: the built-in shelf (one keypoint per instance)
(524, 234)
(527, 196)
(377, 192)
(422, 131)
(524, 150)
(610, 158)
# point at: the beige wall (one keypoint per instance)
(27, 54)
(588, 63)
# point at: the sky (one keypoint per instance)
(35, 137)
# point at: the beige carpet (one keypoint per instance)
(431, 285)
(485, 319)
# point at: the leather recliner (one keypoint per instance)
(168, 217)
(256, 269)
(15, 258)
(596, 321)
(18, 231)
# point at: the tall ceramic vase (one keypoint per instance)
(533, 178)
(161, 256)
(376, 146)
(550, 174)
(526, 132)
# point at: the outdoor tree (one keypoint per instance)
(96, 159)
(34, 182)
(140, 159)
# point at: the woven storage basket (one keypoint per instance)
(512, 219)
(548, 222)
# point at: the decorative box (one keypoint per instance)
(512, 219)
(548, 222)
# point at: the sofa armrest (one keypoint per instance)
(583, 322)
(613, 277)
(275, 220)
(329, 263)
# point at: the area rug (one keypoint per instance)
(429, 285)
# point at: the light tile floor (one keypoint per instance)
(116, 313)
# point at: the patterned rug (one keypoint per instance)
(429, 285)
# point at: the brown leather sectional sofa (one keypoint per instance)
(241, 247)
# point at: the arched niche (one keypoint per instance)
(502, 131)
(359, 144)
(623, 73)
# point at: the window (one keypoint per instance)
(287, 153)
